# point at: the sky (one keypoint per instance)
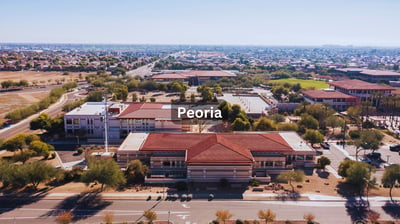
(210, 22)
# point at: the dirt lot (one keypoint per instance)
(12, 100)
(42, 78)
(327, 184)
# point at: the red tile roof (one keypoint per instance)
(169, 76)
(145, 111)
(358, 85)
(217, 147)
(323, 94)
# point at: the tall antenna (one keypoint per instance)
(105, 123)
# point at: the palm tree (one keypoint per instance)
(267, 215)
(223, 215)
(150, 215)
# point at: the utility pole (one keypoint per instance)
(105, 124)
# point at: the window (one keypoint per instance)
(309, 157)
(76, 121)
(69, 131)
(278, 163)
(268, 163)
(166, 163)
(299, 157)
(69, 121)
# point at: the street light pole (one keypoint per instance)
(388, 156)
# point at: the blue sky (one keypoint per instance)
(236, 22)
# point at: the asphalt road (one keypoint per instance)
(54, 110)
(92, 210)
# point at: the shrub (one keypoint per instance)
(354, 134)
(80, 150)
(64, 217)
(254, 183)
(239, 221)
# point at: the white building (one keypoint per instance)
(87, 121)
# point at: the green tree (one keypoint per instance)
(240, 125)
(313, 136)
(134, 97)
(19, 142)
(359, 175)
(237, 112)
(344, 166)
(150, 215)
(292, 176)
(38, 172)
(23, 156)
(104, 171)
(264, 124)
(226, 110)
(279, 91)
(323, 161)
(136, 172)
(70, 85)
(267, 215)
(277, 118)
(223, 215)
(391, 176)
(12, 174)
(287, 127)
(41, 148)
(334, 122)
(206, 93)
(95, 96)
(308, 122)
(43, 121)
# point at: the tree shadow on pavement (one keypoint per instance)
(81, 206)
(392, 209)
(10, 202)
(356, 207)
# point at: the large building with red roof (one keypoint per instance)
(210, 157)
(364, 90)
(193, 77)
(369, 74)
(337, 100)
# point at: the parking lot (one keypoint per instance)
(337, 153)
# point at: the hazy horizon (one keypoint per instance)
(286, 23)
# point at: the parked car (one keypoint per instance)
(325, 145)
(394, 148)
(374, 155)
(365, 160)
(387, 165)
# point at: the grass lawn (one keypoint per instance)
(305, 84)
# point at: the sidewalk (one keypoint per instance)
(217, 196)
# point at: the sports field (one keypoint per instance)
(305, 84)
